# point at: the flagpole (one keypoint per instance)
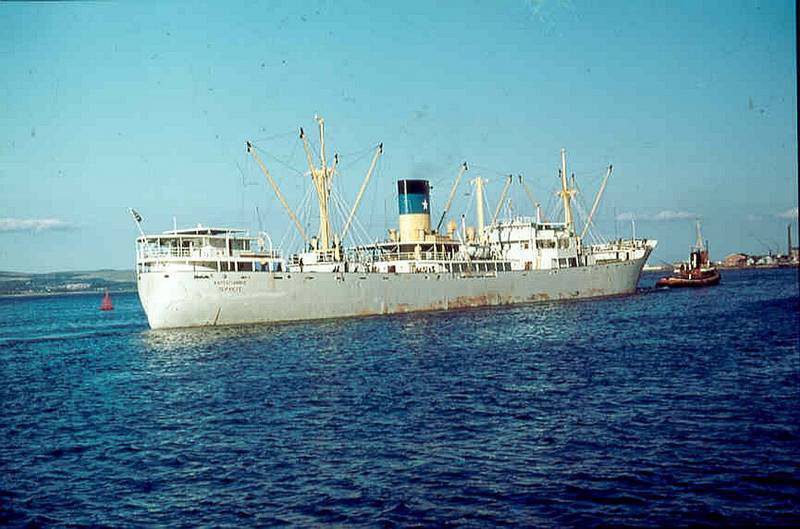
(137, 219)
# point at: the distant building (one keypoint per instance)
(76, 286)
(764, 260)
(735, 259)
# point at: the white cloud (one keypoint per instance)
(790, 213)
(627, 216)
(673, 215)
(35, 225)
(665, 215)
(753, 218)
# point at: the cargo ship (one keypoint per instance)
(206, 276)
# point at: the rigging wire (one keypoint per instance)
(484, 169)
(359, 155)
(275, 136)
(335, 201)
(340, 207)
(467, 205)
(592, 229)
(302, 209)
(376, 177)
(277, 159)
(365, 238)
(555, 207)
(356, 223)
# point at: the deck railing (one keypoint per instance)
(404, 256)
(171, 252)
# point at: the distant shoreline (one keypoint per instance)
(66, 293)
(758, 267)
(723, 267)
(20, 285)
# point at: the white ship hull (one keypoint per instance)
(189, 299)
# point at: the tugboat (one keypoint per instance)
(106, 304)
(697, 273)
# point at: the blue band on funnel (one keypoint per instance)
(413, 203)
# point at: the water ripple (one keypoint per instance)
(667, 408)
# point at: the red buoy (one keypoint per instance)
(106, 304)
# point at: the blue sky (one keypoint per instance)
(105, 106)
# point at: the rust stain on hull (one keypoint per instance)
(539, 297)
(471, 301)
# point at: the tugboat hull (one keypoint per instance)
(680, 282)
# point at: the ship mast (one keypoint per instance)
(479, 203)
(322, 177)
(566, 193)
(699, 243)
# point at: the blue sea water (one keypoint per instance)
(665, 408)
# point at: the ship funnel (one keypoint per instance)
(414, 203)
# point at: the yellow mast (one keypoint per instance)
(566, 193)
(321, 177)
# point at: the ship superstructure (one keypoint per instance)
(217, 276)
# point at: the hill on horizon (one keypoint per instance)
(28, 283)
